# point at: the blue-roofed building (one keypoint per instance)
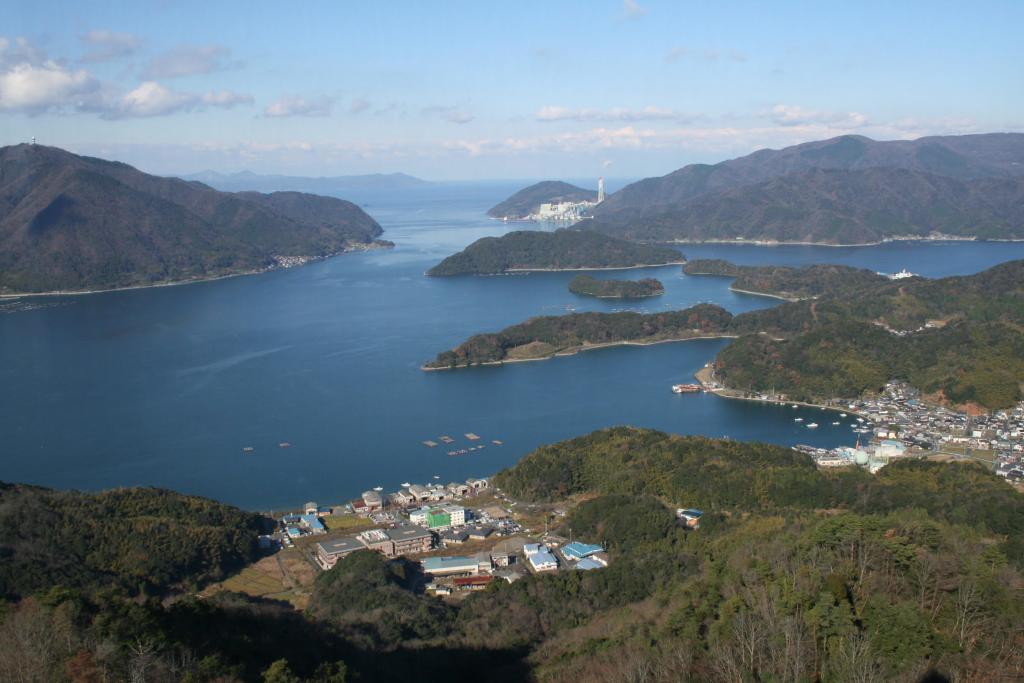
(577, 551)
(586, 564)
(313, 523)
(532, 548)
(543, 561)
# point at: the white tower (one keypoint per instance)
(600, 190)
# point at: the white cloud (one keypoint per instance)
(293, 105)
(106, 46)
(153, 99)
(615, 114)
(35, 88)
(451, 114)
(631, 9)
(795, 115)
(188, 60)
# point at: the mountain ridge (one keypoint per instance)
(75, 223)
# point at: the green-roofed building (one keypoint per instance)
(439, 519)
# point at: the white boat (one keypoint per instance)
(798, 419)
(406, 484)
(794, 406)
(378, 488)
(842, 414)
(436, 477)
(812, 425)
(835, 424)
(860, 419)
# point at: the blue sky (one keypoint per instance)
(460, 90)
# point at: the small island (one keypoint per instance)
(586, 285)
(565, 249)
(549, 336)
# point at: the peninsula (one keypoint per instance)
(956, 339)
(527, 201)
(565, 249)
(788, 282)
(549, 336)
(587, 285)
(72, 223)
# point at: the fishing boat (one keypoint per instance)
(378, 488)
(842, 414)
(835, 424)
(248, 449)
(812, 425)
(496, 442)
(284, 444)
(406, 484)
(798, 419)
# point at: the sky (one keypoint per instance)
(481, 90)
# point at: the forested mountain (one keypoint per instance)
(529, 199)
(848, 189)
(564, 249)
(70, 222)
(145, 541)
(789, 282)
(794, 574)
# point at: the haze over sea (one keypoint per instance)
(165, 386)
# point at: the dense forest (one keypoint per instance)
(564, 249)
(545, 336)
(144, 541)
(849, 332)
(795, 574)
(844, 190)
(789, 282)
(70, 222)
(587, 285)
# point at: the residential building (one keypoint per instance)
(329, 552)
(378, 539)
(410, 539)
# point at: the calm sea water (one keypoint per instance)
(166, 386)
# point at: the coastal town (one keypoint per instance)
(900, 423)
(464, 535)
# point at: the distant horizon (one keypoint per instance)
(623, 88)
(614, 179)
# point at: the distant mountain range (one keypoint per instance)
(246, 180)
(846, 190)
(74, 223)
(529, 199)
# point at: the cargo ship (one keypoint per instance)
(685, 388)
